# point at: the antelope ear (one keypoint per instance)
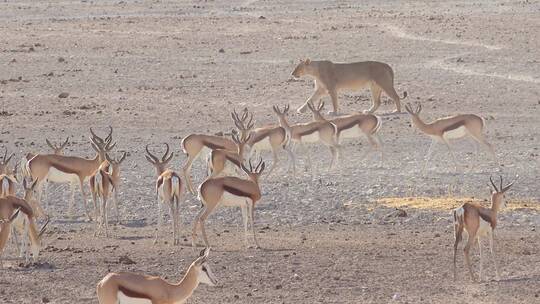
(307, 61)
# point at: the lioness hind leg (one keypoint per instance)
(388, 88)
(376, 94)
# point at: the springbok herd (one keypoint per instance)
(234, 175)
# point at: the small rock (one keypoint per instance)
(126, 260)
(262, 17)
(279, 286)
(61, 59)
(221, 50)
(45, 300)
(63, 95)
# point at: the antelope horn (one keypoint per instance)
(109, 137)
(96, 139)
(14, 215)
(286, 109)
(50, 144)
(151, 155)
(493, 184)
(166, 152)
(123, 157)
(65, 143)
(42, 230)
(510, 185)
(245, 113)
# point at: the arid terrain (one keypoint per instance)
(157, 71)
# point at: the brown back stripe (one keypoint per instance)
(260, 136)
(454, 126)
(485, 216)
(61, 167)
(232, 160)
(236, 191)
(133, 294)
(349, 125)
(307, 132)
(212, 146)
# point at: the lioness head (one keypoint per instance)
(300, 69)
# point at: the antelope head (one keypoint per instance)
(58, 150)
(160, 165)
(254, 173)
(497, 196)
(100, 145)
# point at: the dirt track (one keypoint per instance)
(154, 71)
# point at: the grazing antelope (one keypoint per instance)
(311, 132)
(102, 185)
(453, 127)
(330, 78)
(230, 191)
(169, 189)
(62, 169)
(21, 224)
(354, 126)
(10, 207)
(225, 162)
(194, 144)
(126, 287)
(478, 222)
(57, 150)
(268, 138)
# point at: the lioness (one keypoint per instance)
(331, 77)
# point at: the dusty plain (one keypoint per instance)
(159, 70)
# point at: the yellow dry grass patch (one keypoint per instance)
(449, 203)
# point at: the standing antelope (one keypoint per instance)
(62, 169)
(194, 144)
(10, 206)
(311, 132)
(452, 127)
(478, 222)
(225, 162)
(169, 189)
(103, 183)
(268, 138)
(8, 179)
(57, 150)
(126, 287)
(354, 126)
(331, 77)
(230, 191)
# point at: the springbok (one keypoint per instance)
(8, 180)
(10, 207)
(67, 169)
(194, 144)
(224, 162)
(4, 162)
(230, 191)
(478, 222)
(57, 150)
(169, 189)
(311, 132)
(452, 127)
(354, 126)
(103, 184)
(267, 138)
(126, 287)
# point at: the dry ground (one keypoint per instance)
(154, 71)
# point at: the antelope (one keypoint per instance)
(224, 162)
(452, 127)
(193, 144)
(57, 150)
(268, 138)
(62, 169)
(478, 222)
(311, 132)
(354, 126)
(230, 191)
(10, 206)
(126, 287)
(169, 189)
(103, 183)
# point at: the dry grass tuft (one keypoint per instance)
(449, 203)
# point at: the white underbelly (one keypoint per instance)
(311, 138)
(484, 229)
(262, 145)
(231, 200)
(456, 133)
(57, 176)
(5, 187)
(353, 132)
(123, 299)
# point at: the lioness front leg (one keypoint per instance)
(334, 97)
(314, 97)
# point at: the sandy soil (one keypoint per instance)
(154, 71)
